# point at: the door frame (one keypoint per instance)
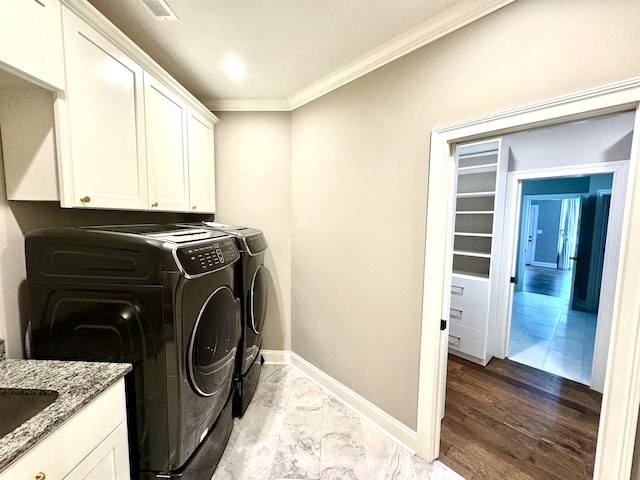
(621, 399)
(612, 259)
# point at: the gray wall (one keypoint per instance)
(253, 187)
(360, 167)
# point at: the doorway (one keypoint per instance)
(552, 325)
(622, 395)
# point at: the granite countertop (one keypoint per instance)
(76, 383)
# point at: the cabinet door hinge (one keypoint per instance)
(513, 280)
(443, 324)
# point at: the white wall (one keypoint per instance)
(253, 188)
(360, 165)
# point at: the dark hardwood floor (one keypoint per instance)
(547, 281)
(507, 421)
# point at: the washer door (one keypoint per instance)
(258, 300)
(213, 344)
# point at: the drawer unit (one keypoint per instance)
(471, 313)
(463, 286)
(467, 340)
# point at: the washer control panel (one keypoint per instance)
(256, 243)
(207, 257)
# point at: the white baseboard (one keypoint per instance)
(276, 357)
(365, 409)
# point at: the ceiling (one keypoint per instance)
(286, 52)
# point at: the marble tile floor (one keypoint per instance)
(294, 430)
(546, 334)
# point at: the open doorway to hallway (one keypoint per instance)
(559, 269)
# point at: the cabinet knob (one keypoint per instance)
(86, 199)
(194, 207)
(154, 204)
(40, 476)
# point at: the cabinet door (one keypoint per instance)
(31, 39)
(108, 461)
(105, 166)
(166, 122)
(201, 163)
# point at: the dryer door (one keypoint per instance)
(213, 343)
(258, 300)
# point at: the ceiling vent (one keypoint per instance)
(160, 10)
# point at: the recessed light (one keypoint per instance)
(235, 68)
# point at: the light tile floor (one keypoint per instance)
(293, 429)
(548, 335)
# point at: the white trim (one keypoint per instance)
(453, 18)
(619, 413)
(374, 415)
(381, 420)
(276, 357)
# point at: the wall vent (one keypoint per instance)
(160, 10)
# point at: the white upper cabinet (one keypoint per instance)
(105, 164)
(124, 134)
(201, 163)
(167, 167)
(31, 40)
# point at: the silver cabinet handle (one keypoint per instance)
(455, 313)
(457, 290)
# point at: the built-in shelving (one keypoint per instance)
(480, 171)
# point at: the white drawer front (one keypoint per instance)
(471, 313)
(467, 340)
(467, 287)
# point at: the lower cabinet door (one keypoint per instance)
(108, 461)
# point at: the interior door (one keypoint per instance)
(581, 264)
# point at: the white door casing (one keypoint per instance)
(619, 413)
(508, 258)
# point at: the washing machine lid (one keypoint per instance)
(251, 239)
(166, 233)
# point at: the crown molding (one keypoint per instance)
(241, 105)
(455, 17)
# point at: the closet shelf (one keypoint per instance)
(471, 170)
(476, 194)
(470, 274)
(469, 253)
(474, 212)
(473, 234)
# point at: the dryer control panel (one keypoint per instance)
(207, 257)
(256, 243)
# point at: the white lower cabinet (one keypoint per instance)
(90, 445)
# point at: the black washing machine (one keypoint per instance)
(252, 286)
(163, 299)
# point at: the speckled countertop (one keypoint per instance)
(76, 383)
